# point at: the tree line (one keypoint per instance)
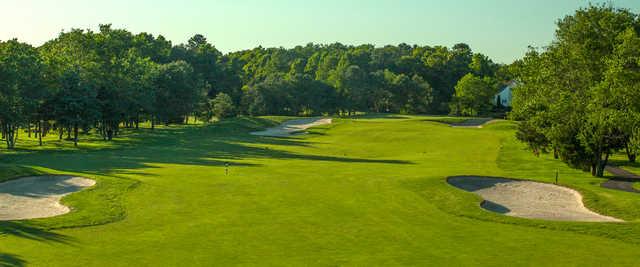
(579, 97)
(340, 79)
(85, 81)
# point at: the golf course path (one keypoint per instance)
(529, 199)
(291, 127)
(37, 196)
(623, 179)
(472, 123)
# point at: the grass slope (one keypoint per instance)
(362, 191)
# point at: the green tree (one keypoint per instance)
(472, 97)
(157, 49)
(75, 104)
(222, 106)
(577, 92)
(271, 96)
(621, 88)
(177, 94)
(633, 145)
(482, 66)
(137, 77)
(138, 88)
(71, 52)
(21, 87)
(311, 97)
(112, 48)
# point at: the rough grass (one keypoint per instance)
(361, 191)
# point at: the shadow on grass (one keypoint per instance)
(26, 231)
(11, 260)
(202, 145)
(624, 163)
(446, 120)
(375, 116)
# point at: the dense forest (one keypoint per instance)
(85, 81)
(579, 97)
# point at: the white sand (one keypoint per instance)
(38, 196)
(528, 199)
(473, 123)
(290, 127)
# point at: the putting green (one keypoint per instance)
(362, 191)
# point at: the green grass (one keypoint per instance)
(621, 160)
(368, 190)
(632, 167)
(12, 171)
(386, 116)
(447, 120)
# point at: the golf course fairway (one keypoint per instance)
(364, 191)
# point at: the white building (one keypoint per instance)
(504, 97)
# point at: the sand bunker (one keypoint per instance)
(473, 123)
(293, 126)
(528, 199)
(38, 196)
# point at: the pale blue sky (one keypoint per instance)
(501, 29)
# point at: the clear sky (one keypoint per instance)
(501, 29)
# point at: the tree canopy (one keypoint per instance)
(580, 95)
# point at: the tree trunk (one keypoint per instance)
(108, 130)
(5, 131)
(40, 133)
(631, 154)
(103, 131)
(153, 122)
(11, 135)
(597, 169)
(44, 128)
(29, 129)
(75, 135)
